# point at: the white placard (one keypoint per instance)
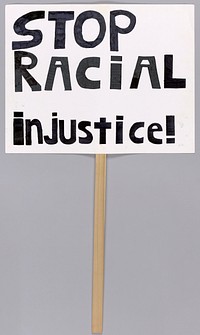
(99, 78)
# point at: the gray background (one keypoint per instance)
(152, 270)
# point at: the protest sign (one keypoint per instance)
(99, 78)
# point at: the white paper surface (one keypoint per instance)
(160, 30)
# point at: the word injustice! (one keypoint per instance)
(22, 131)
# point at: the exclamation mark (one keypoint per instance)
(170, 128)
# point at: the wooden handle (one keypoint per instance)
(98, 251)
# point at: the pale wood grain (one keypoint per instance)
(98, 251)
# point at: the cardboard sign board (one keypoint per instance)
(99, 78)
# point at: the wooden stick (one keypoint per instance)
(98, 251)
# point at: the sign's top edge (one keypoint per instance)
(100, 4)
